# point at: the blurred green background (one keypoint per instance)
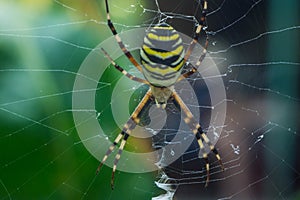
(42, 45)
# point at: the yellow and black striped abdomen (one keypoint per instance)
(162, 55)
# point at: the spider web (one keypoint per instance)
(255, 45)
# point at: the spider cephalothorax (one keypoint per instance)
(162, 57)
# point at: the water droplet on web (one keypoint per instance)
(236, 149)
(172, 152)
(98, 115)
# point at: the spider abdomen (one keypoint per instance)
(162, 55)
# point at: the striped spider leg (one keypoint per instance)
(118, 39)
(125, 133)
(201, 26)
(199, 134)
(197, 65)
(123, 71)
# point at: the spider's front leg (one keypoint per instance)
(122, 70)
(199, 134)
(200, 27)
(194, 69)
(125, 133)
(118, 39)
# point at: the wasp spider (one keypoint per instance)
(162, 60)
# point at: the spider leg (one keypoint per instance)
(123, 71)
(197, 32)
(110, 150)
(199, 134)
(195, 68)
(122, 145)
(130, 125)
(121, 44)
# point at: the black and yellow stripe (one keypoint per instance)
(162, 55)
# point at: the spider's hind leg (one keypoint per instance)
(199, 134)
(127, 128)
(130, 125)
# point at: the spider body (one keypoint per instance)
(162, 59)
(162, 55)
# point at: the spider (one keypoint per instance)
(162, 60)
